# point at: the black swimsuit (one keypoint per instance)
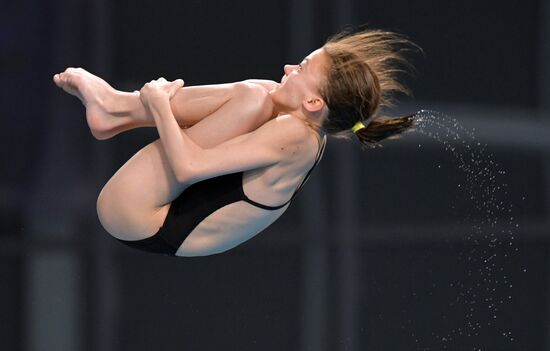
(197, 202)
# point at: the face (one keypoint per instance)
(301, 82)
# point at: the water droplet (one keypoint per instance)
(483, 187)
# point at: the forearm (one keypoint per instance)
(178, 147)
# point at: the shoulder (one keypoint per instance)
(291, 134)
(294, 127)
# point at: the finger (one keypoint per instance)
(175, 86)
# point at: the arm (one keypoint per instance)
(271, 143)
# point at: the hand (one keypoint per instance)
(159, 90)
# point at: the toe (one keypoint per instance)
(57, 80)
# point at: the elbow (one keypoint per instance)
(183, 173)
(186, 163)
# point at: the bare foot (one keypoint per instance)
(96, 95)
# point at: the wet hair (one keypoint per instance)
(361, 80)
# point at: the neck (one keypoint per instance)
(283, 108)
(279, 110)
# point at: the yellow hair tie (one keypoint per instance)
(357, 126)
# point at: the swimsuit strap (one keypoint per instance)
(317, 160)
(320, 153)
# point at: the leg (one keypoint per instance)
(135, 201)
(109, 112)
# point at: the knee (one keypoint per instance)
(255, 99)
(251, 92)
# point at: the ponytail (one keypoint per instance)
(381, 128)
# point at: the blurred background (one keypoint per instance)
(382, 250)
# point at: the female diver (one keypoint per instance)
(231, 157)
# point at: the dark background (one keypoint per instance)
(387, 249)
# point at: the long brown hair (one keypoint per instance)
(362, 79)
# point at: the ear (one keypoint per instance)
(313, 104)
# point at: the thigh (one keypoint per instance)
(134, 202)
(191, 105)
